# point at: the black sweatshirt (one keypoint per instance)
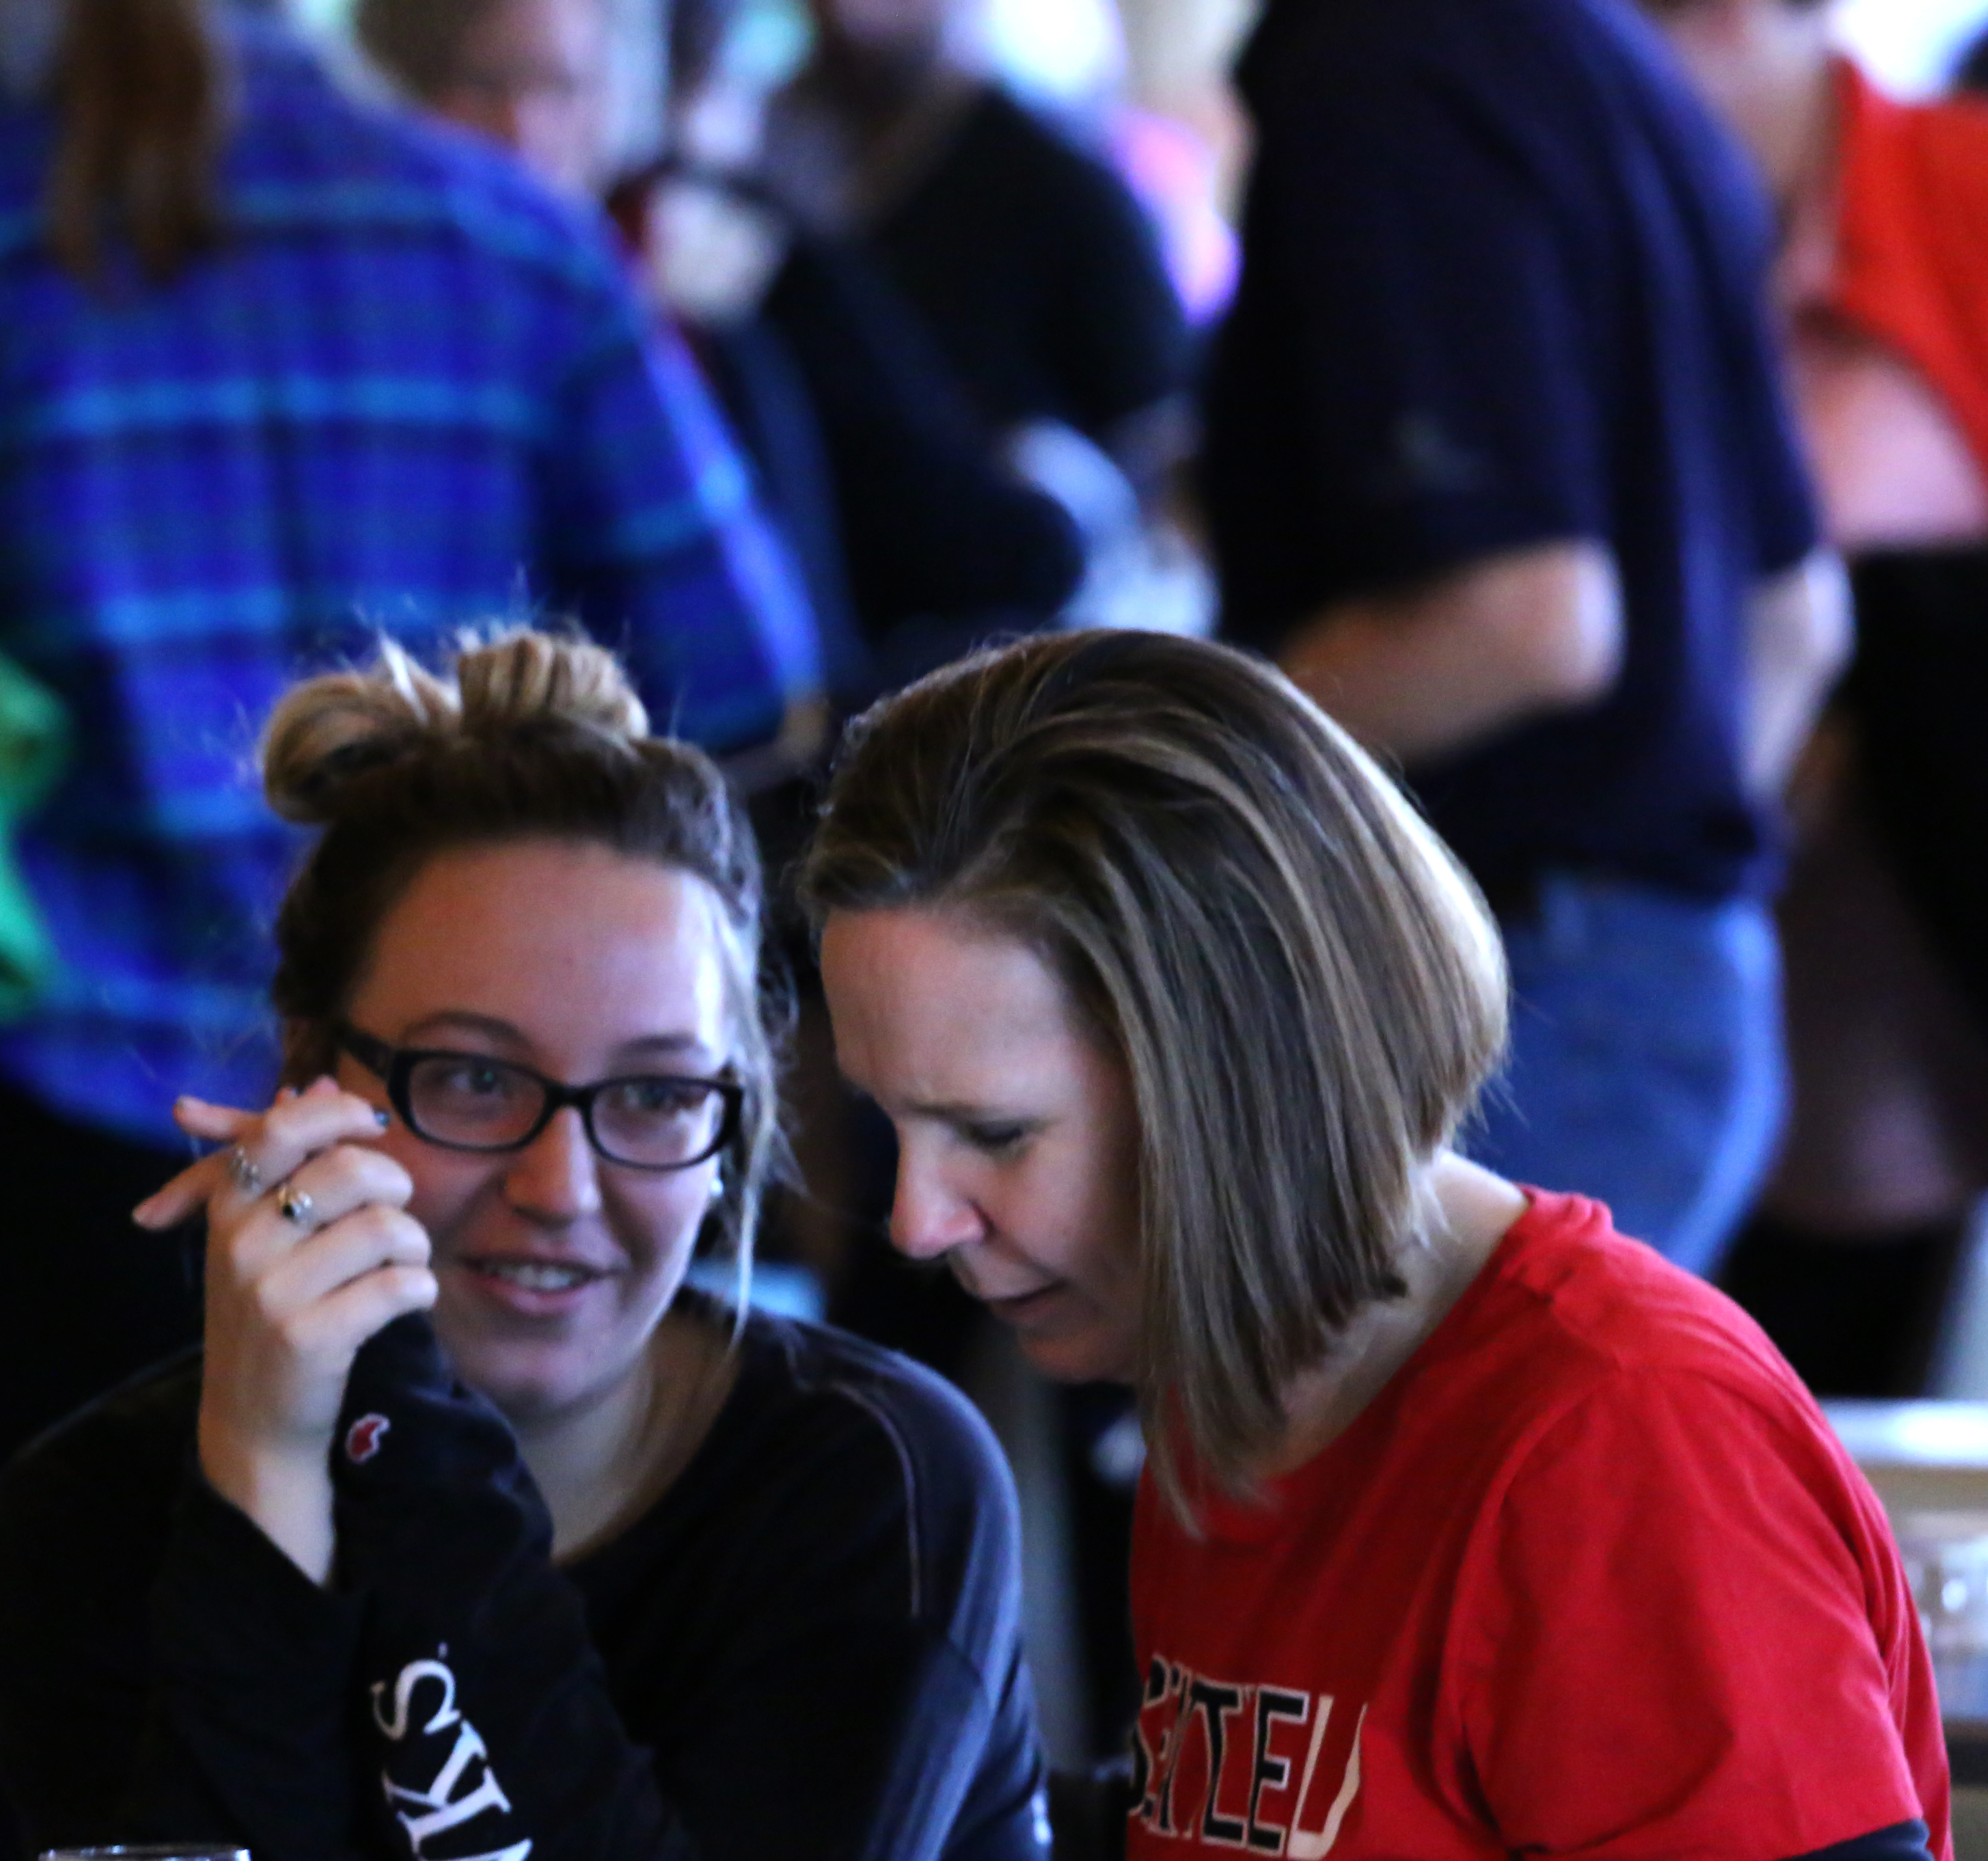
(809, 1648)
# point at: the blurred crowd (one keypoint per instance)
(1595, 422)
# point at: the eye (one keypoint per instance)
(475, 1078)
(996, 1138)
(653, 1098)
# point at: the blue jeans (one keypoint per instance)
(1646, 1066)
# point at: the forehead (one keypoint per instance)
(930, 1004)
(556, 939)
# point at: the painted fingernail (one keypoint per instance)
(384, 1119)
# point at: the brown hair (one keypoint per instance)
(524, 736)
(418, 43)
(140, 93)
(1305, 990)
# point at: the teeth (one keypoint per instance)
(535, 1276)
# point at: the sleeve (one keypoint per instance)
(932, 526)
(1422, 286)
(1121, 343)
(860, 1741)
(204, 1695)
(824, 1733)
(655, 540)
(486, 1708)
(1669, 1646)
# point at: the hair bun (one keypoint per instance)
(327, 731)
(525, 677)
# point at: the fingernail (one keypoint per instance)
(147, 1212)
(384, 1119)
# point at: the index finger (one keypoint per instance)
(275, 1142)
(189, 1191)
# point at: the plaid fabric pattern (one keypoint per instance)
(408, 392)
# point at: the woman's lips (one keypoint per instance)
(1020, 1308)
(535, 1287)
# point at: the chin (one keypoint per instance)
(526, 1384)
(1086, 1354)
(522, 1395)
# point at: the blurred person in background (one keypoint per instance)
(941, 542)
(1882, 284)
(1029, 259)
(1498, 465)
(915, 539)
(283, 366)
(526, 74)
(529, 74)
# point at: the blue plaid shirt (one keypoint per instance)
(408, 391)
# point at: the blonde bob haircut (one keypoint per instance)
(1305, 990)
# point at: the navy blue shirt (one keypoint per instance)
(1502, 285)
(808, 1648)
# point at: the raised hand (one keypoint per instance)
(310, 1251)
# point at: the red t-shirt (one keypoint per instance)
(1912, 259)
(1590, 1576)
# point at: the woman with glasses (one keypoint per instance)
(1470, 1528)
(473, 1533)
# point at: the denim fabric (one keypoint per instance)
(1646, 1068)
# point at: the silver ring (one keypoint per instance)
(241, 1172)
(294, 1206)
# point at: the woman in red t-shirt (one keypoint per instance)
(1470, 1527)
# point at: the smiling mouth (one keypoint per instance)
(535, 1275)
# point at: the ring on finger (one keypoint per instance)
(242, 1172)
(295, 1205)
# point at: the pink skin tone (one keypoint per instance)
(1019, 1163)
(624, 976)
(530, 75)
(1764, 66)
(1018, 1140)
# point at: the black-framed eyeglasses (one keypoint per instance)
(473, 1102)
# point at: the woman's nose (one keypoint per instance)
(927, 1218)
(556, 1175)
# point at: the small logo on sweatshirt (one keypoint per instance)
(362, 1438)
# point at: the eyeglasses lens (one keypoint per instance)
(658, 1120)
(486, 1105)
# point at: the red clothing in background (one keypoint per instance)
(1590, 1576)
(1912, 233)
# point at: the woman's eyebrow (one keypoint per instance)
(494, 1028)
(968, 1111)
(490, 1026)
(663, 1044)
